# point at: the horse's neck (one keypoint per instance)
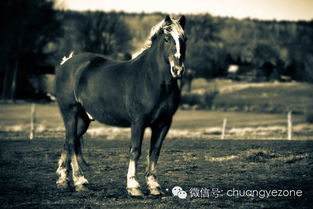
(157, 67)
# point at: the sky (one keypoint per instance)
(261, 9)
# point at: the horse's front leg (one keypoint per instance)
(137, 131)
(159, 132)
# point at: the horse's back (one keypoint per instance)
(69, 72)
(77, 62)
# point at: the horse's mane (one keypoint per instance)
(155, 30)
(159, 28)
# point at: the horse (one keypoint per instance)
(139, 93)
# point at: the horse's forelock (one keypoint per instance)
(166, 28)
(175, 26)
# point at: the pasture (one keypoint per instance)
(193, 157)
(269, 97)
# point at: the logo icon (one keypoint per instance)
(179, 192)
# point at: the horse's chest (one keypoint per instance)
(166, 108)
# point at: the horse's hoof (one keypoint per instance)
(155, 191)
(134, 192)
(81, 188)
(63, 185)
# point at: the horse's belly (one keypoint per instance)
(112, 120)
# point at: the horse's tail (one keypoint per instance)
(79, 145)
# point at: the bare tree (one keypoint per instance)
(26, 28)
(202, 46)
(98, 32)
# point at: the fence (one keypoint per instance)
(35, 121)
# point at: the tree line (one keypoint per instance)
(35, 34)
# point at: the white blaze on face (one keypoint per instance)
(175, 36)
(176, 32)
(177, 55)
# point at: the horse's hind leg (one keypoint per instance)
(62, 171)
(83, 123)
(75, 127)
(159, 132)
(69, 114)
(77, 174)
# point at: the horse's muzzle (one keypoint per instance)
(177, 71)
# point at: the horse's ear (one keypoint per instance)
(167, 20)
(182, 21)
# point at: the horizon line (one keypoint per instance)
(187, 13)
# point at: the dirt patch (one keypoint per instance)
(27, 173)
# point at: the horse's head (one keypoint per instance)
(175, 44)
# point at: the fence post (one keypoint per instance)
(223, 128)
(32, 121)
(289, 118)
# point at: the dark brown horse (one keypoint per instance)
(139, 93)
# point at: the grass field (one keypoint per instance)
(257, 97)
(27, 174)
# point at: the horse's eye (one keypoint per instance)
(166, 39)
